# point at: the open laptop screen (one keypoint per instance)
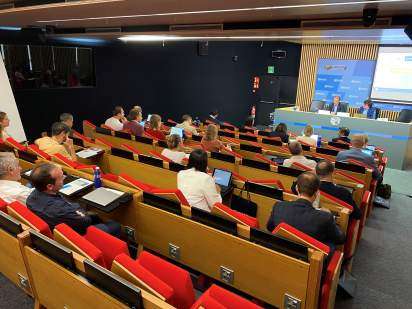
(178, 131)
(222, 177)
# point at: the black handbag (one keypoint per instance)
(242, 205)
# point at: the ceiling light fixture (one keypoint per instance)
(264, 8)
(158, 38)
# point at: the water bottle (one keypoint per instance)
(319, 142)
(97, 178)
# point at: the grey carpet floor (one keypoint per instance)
(382, 265)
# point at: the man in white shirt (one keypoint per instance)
(295, 149)
(198, 187)
(10, 188)
(116, 122)
(187, 125)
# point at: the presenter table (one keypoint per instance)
(394, 137)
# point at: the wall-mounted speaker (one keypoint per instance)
(279, 54)
(203, 48)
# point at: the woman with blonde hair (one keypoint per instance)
(155, 124)
(210, 140)
(306, 138)
(4, 123)
(174, 149)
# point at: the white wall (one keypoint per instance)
(8, 105)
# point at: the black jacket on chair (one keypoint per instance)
(301, 215)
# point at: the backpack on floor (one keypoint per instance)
(384, 191)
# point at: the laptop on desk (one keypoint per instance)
(223, 179)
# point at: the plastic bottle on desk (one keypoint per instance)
(97, 178)
(319, 142)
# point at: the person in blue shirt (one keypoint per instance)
(368, 110)
(47, 203)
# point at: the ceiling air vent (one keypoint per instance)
(336, 23)
(196, 27)
(103, 30)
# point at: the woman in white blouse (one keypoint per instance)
(306, 138)
(196, 184)
(174, 152)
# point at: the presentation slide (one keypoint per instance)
(8, 105)
(349, 79)
(393, 75)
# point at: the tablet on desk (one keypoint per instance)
(75, 186)
(88, 153)
(103, 196)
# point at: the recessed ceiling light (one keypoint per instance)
(264, 8)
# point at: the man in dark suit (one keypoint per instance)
(303, 216)
(368, 110)
(343, 136)
(336, 106)
(47, 203)
(324, 169)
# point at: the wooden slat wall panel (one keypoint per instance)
(308, 64)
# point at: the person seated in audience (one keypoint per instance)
(343, 136)
(47, 203)
(210, 141)
(4, 123)
(281, 131)
(174, 151)
(59, 142)
(117, 121)
(138, 108)
(336, 106)
(355, 153)
(324, 169)
(295, 149)
(10, 188)
(154, 129)
(198, 187)
(187, 126)
(133, 123)
(67, 119)
(306, 137)
(303, 216)
(368, 110)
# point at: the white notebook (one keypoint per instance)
(103, 196)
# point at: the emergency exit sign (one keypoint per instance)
(271, 69)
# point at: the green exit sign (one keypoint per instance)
(271, 69)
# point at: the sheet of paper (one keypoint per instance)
(75, 186)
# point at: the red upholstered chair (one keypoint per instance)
(258, 156)
(177, 278)
(108, 244)
(20, 212)
(130, 148)
(216, 297)
(233, 215)
(173, 194)
(331, 279)
(40, 153)
(103, 142)
(300, 166)
(110, 177)
(134, 272)
(159, 156)
(366, 201)
(15, 144)
(3, 205)
(82, 137)
(70, 163)
(136, 183)
(65, 235)
(89, 124)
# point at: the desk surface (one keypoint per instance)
(394, 137)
